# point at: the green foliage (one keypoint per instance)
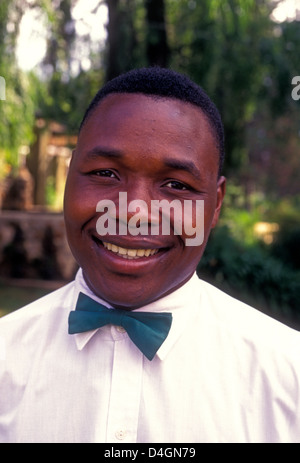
(286, 247)
(14, 297)
(242, 211)
(232, 48)
(285, 211)
(240, 262)
(286, 242)
(252, 274)
(66, 101)
(243, 60)
(17, 111)
(218, 44)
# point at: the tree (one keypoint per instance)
(65, 88)
(121, 39)
(219, 45)
(61, 39)
(137, 35)
(157, 48)
(17, 111)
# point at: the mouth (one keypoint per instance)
(129, 253)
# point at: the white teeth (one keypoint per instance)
(132, 252)
(129, 253)
(122, 251)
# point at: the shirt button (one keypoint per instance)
(120, 434)
(120, 329)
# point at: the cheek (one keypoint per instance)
(197, 220)
(79, 203)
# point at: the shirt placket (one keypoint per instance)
(126, 383)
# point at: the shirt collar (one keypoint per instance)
(182, 303)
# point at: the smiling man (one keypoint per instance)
(152, 149)
(137, 348)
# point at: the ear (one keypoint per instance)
(73, 154)
(71, 159)
(221, 189)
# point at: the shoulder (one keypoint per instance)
(40, 311)
(247, 323)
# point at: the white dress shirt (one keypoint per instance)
(226, 373)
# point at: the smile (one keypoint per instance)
(129, 253)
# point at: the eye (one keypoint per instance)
(176, 185)
(103, 173)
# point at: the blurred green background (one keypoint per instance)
(54, 55)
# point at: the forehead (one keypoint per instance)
(148, 123)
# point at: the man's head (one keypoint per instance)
(155, 136)
(161, 82)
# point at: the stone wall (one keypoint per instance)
(34, 245)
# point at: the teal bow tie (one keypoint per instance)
(147, 330)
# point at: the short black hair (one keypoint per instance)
(162, 82)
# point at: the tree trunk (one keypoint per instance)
(157, 44)
(113, 39)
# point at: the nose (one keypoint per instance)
(140, 189)
(135, 209)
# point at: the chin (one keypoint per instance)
(122, 292)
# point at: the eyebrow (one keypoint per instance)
(187, 166)
(176, 164)
(104, 152)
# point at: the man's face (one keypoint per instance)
(152, 149)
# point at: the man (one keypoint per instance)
(172, 359)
